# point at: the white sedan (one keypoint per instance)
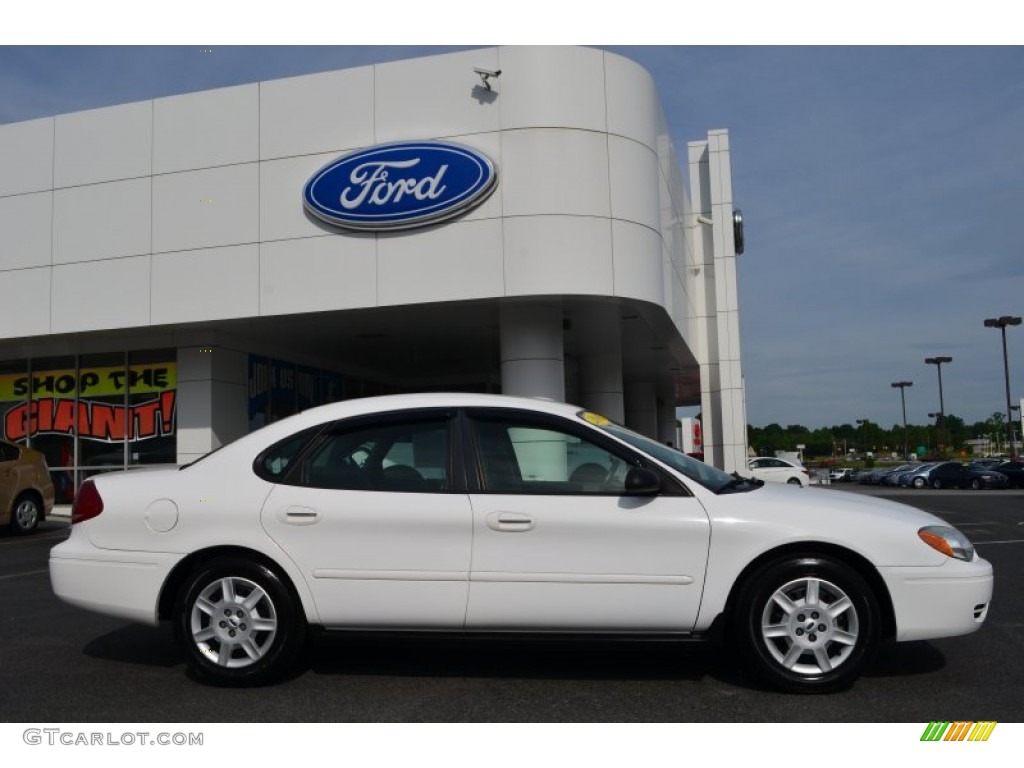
(775, 470)
(486, 514)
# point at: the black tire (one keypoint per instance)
(26, 513)
(809, 650)
(920, 482)
(936, 484)
(239, 623)
(976, 484)
(793, 481)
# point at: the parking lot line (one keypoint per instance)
(23, 573)
(1005, 541)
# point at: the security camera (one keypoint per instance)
(486, 75)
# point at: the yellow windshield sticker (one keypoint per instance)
(594, 418)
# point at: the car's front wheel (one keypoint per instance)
(794, 481)
(238, 623)
(920, 482)
(806, 624)
(25, 514)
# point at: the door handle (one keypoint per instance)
(509, 522)
(299, 515)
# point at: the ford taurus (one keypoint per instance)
(476, 514)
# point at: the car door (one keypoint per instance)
(559, 546)
(948, 475)
(376, 517)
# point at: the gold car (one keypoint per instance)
(26, 491)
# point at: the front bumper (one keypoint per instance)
(944, 601)
(122, 584)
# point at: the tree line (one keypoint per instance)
(950, 438)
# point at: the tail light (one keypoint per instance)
(87, 504)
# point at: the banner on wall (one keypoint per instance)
(61, 403)
(89, 382)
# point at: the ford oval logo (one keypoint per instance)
(398, 186)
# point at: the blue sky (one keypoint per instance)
(881, 189)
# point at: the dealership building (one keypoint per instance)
(177, 272)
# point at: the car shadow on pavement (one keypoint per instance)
(137, 644)
(541, 659)
(906, 659)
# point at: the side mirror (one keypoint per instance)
(642, 482)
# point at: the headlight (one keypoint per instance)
(947, 540)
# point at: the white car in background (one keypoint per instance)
(840, 474)
(483, 515)
(774, 470)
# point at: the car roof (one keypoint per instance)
(364, 406)
(384, 403)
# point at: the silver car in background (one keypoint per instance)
(917, 478)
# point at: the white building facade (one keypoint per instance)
(165, 289)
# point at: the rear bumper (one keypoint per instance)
(944, 601)
(125, 585)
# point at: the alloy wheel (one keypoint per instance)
(810, 626)
(233, 622)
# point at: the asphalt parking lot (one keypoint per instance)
(63, 664)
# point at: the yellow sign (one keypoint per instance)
(596, 419)
(89, 382)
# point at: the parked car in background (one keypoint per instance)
(840, 475)
(774, 470)
(487, 515)
(987, 463)
(1014, 471)
(892, 476)
(26, 491)
(917, 478)
(857, 475)
(872, 476)
(953, 474)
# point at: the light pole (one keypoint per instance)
(938, 434)
(1001, 323)
(937, 362)
(902, 385)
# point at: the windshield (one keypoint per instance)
(710, 477)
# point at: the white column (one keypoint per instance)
(642, 408)
(723, 401)
(212, 402)
(532, 359)
(601, 362)
(667, 421)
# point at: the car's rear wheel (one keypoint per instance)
(936, 484)
(806, 624)
(238, 623)
(25, 514)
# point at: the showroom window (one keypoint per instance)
(278, 389)
(92, 413)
